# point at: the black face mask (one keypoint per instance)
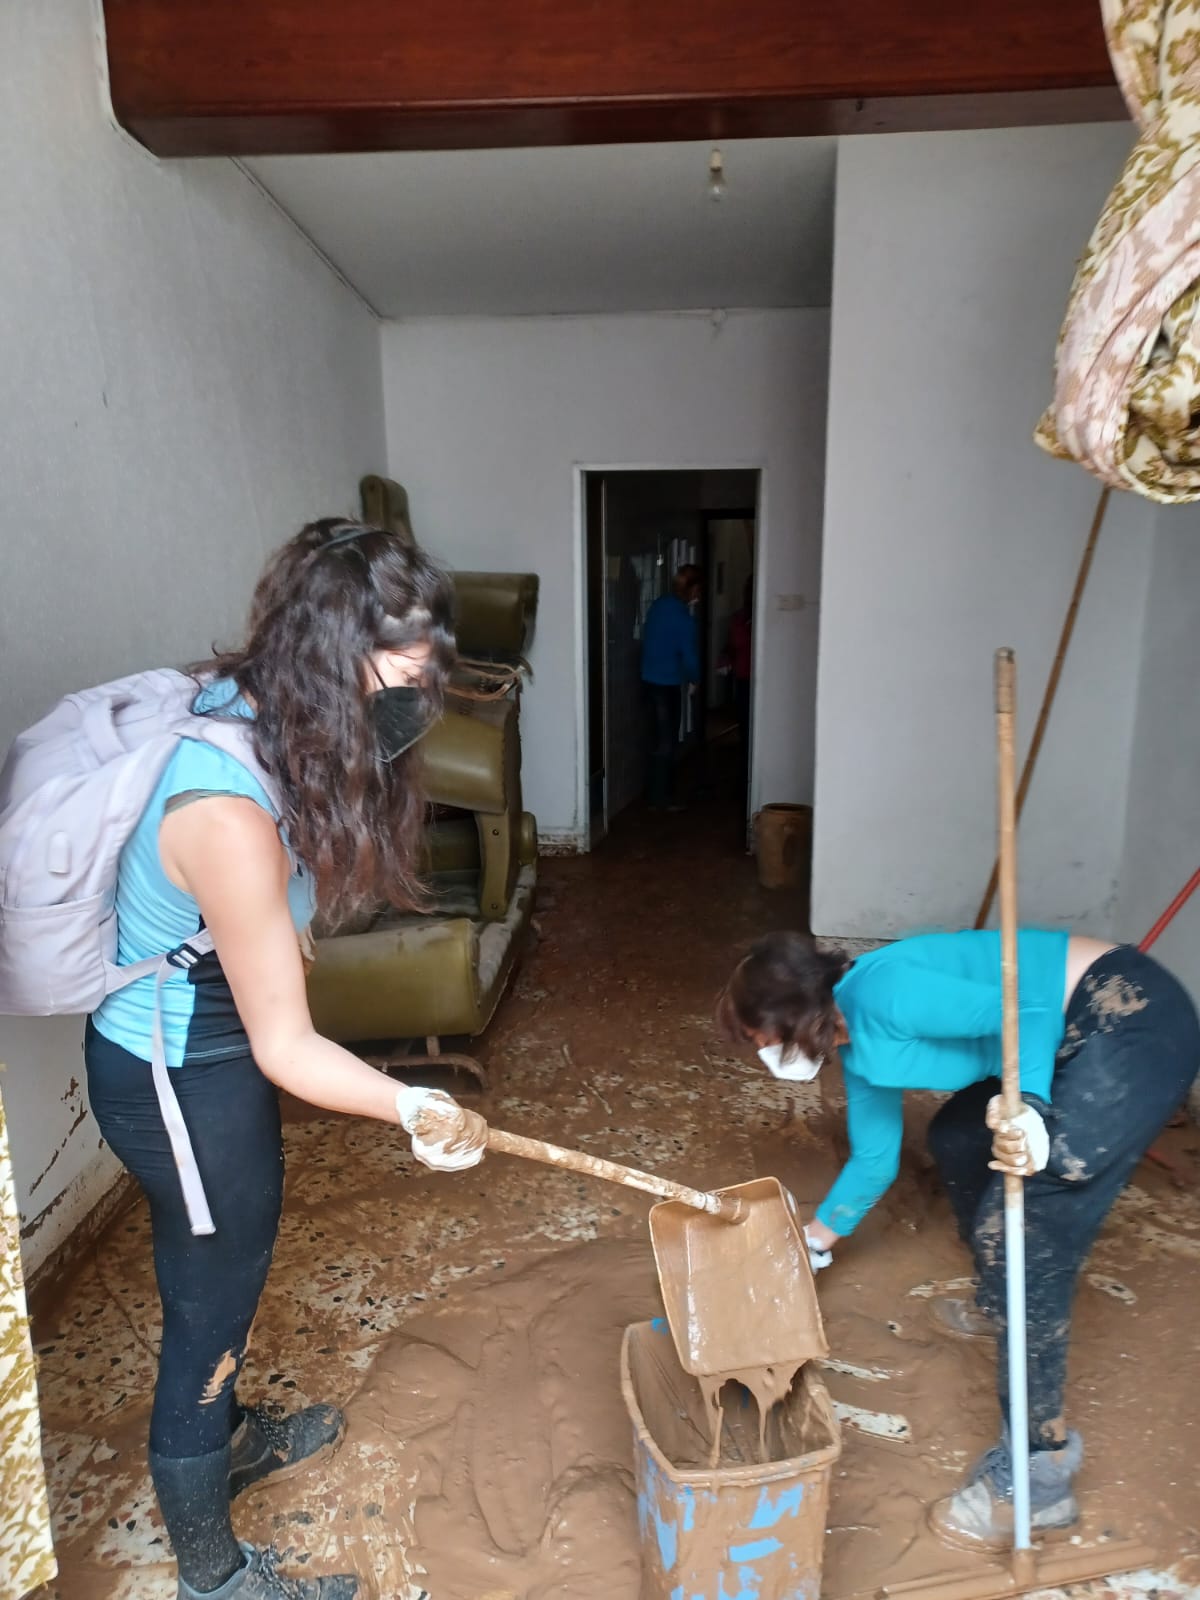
(401, 715)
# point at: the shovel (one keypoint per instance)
(739, 1300)
(732, 1265)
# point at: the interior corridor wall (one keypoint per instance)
(184, 383)
(948, 533)
(489, 421)
(1162, 836)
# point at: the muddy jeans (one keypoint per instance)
(1129, 1054)
(209, 1286)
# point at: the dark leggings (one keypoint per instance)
(1129, 1054)
(209, 1286)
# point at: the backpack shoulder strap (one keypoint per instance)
(234, 736)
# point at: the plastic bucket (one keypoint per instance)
(752, 1528)
(782, 843)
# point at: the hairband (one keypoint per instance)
(344, 538)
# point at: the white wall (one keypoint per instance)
(948, 533)
(489, 421)
(184, 383)
(1162, 840)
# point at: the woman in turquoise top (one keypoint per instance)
(342, 672)
(1110, 1044)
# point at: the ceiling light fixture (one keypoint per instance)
(716, 176)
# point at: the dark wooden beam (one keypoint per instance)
(259, 77)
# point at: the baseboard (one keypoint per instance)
(565, 842)
(45, 1280)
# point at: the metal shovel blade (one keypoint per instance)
(738, 1295)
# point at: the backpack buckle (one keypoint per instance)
(185, 957)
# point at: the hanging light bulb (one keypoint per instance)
(716, 176)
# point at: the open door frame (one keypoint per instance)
(582, 472)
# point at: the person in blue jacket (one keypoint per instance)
(670, 661)
(1110, 1044)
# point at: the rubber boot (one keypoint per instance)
(268, 1442)
(259, 1578)
(193, 1494)
(979, 1516)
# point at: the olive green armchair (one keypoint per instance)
(392, 982)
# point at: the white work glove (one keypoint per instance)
(444, 1135)
(817, 1257)
(1020, 1144)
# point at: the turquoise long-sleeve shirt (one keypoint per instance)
(925, 1013)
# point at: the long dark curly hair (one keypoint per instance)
(331, 596)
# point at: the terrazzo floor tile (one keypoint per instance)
(605, 1043)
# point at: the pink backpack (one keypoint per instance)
(72, 790)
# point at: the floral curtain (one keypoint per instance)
(1127, 373)
(26, 1551)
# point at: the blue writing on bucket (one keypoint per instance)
(742, 1554)
(688, 1495)
(768, 1512)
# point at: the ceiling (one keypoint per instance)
(600, 228)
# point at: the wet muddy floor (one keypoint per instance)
(471, 1323)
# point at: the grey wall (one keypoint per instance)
(489, 421)
(948, 533)
(1162, 837)
(184, 383)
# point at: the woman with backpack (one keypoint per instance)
(319, 809)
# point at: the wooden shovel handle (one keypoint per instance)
(516, 1144)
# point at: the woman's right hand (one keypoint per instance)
(1020, 1144)
(445, 1136)
(820, 1242)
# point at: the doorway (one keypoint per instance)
(640, 527)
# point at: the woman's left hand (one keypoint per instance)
(1020, 1144)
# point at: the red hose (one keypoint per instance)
(1172, 911)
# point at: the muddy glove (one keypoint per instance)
(817, 1258)
(444, 1135)
(1021, 1144)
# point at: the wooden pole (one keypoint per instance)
(1039, 732)
(728, 1207)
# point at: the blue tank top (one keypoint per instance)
(200, 1019)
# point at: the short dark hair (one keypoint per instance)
(784, 989)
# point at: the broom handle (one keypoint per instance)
(1014, 1189)
(1039, 732)
(728, 1207)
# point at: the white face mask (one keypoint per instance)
(789, 1063)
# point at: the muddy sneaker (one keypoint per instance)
(261, 1579)
(980, 1515)
(962, 1318)
(267, 1441)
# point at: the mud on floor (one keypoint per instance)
(403, 1295)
